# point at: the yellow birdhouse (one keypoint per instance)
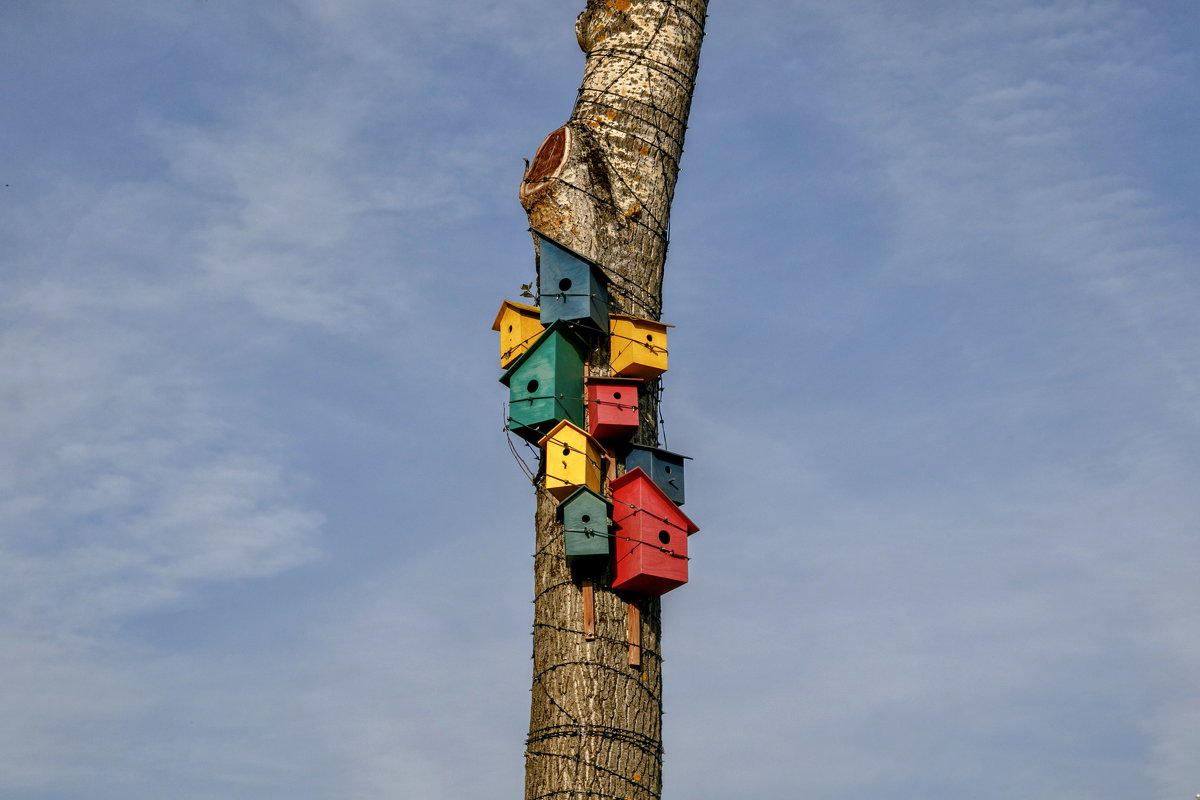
(519, 327)
(638, 347)
(572, 460)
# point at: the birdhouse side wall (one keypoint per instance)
(569, 382)
(571, 460)
(585, 526)
(518, 332)
(547, 387)
(612, 410)
(570, 289)
(585, 520)
(638, 348)
(666, 472)
(641, 536)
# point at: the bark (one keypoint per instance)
(602, 185)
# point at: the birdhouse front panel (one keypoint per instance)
(637, 347)
(612, 407)
(571, 459)
(650, 537)
(545, 384)
(570, 287)
(664, 468)
(584, 516)
(519, 326)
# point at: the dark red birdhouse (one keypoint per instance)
(612, 407)
(650, 536)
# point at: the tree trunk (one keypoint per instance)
(602, 185)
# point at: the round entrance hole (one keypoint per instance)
(566, 451)
(616, 395)
(531, 387)
(564, 285)
(664, 537)
(586, 518)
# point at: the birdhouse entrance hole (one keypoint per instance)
(564, 285)
(532, 387)
(664, 537)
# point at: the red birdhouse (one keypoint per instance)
(650, 536)
(612, 407)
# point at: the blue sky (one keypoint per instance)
(934, 276)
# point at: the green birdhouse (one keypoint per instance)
(585, 517)
(545, 384)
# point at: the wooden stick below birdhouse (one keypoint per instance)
(634, 635)
(589, 611)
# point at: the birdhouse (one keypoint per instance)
(664, 468)
(572, 459)
(584, 516)
(637, 347)
(650, 537)
(570, 286)
(545, 383)
(612, 407)
(519, 327)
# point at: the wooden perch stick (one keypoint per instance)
(589, 611)
(635, 635)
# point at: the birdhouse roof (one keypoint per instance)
(658, 451)
(638, 474)
(566, 423)
(512, 306)
(640, 320)
(615, 380)
(597, 270)
(580, 494)
(566, 328)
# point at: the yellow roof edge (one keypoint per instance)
(512, 304)
(639, 319)
(566, 422)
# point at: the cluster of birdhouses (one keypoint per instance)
(584, 424)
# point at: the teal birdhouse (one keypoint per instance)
(545, 385)
(664, 468)
(570, 286)
(585, 516)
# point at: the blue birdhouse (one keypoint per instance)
(570, 286)
(662, 466)
(585, 516)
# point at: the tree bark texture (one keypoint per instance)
(602, 184)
